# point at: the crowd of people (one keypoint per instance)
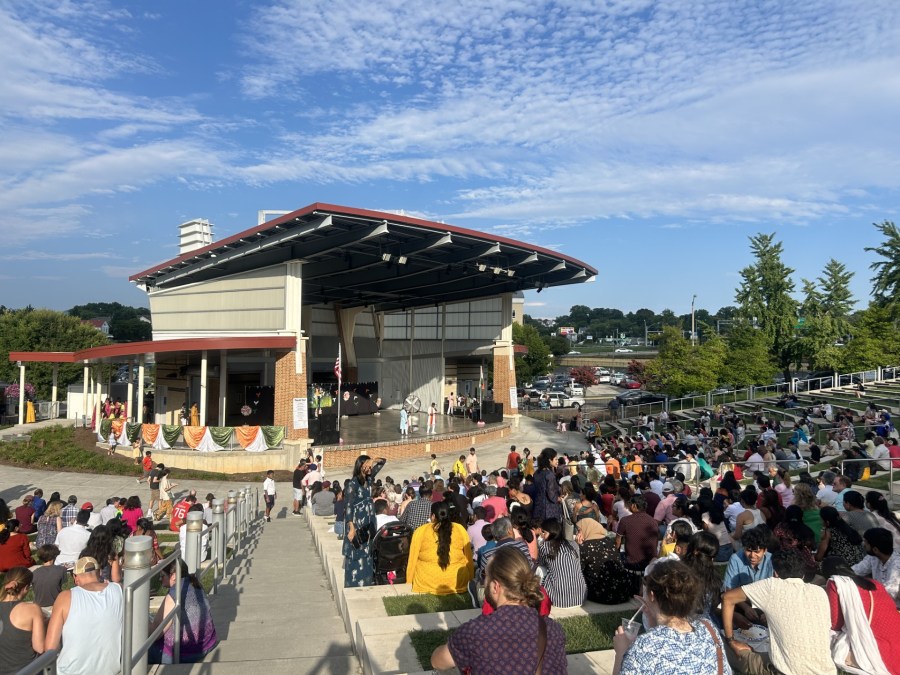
(73, 569)
(804, 559)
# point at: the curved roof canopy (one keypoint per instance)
(355, 257)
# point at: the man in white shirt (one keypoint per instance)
(755, 462)
(881, 454)
(109, 512)
(72, 540)
(381, 516)
(826, 495)
(269, 493)
(882, 562)
(472, 462)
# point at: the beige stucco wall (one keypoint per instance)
(251, 302)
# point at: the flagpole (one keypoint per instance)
(339, 395)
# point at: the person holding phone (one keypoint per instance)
(359, 519)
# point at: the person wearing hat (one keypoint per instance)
(94, 519)
(70, 510)
(80, 616)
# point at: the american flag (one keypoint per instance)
(337, 365)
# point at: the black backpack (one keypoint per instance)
(390, 552)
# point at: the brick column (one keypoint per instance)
(289, 384)
(504, 376)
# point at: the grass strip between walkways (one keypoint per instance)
(589, 633)
(67, 449)
(400, 605)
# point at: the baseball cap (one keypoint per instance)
(668, 487)
(87, 506)
(86, 564)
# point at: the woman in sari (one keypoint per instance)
(865, 619)
(359, 519)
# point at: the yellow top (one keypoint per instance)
(423, 571)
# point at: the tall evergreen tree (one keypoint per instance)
(886, 282)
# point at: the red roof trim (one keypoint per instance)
(362, 213)
(156, 347)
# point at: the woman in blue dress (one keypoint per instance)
(359, 519)
(546, 488)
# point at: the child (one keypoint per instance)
(269, 493)
(113, 442)
(48, 578)
(435, 467)
(147, 467)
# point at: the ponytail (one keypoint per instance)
(509, 567)
(17, 579)
(443, 525)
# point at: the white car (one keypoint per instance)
(575, 390)
(602, 379)
(624, 350)
(572, 353)
(561, 400)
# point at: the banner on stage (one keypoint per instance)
(513, 398)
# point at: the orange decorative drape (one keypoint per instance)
(117, 427)
(193, 435)
(149, 432)
(245, 435)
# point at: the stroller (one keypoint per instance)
(390, 552)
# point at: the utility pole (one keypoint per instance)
(693, 324)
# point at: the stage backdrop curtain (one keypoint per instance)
(221, 435)
(149, 432)
(206, 442)
(259, 442)
(274, 436)
(119, 429)
(133, 431)
(245, 435)
(170, 433)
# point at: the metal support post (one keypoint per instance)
(138, 552)
(218, 516)
(191, 552)
(230, 516)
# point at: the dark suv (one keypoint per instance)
(639, 396)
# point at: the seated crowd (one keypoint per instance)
(73, 567)
(801, 559)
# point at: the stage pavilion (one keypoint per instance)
(249, 328)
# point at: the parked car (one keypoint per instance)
(624, 350)
(602, 379)
(560, 400)
(573, 353)
(629, 383)
(575, 390)
(638, 396)
(616, 378)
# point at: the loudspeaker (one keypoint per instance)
(487, 407)
(492, 411)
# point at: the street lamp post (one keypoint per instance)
(693, 325)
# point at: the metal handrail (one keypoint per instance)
(212, 531)
(131, 658)
(45, 663)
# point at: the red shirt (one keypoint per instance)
(179, 513)
(15, 553)
(885, 621)
(494, 507)
(512, 460)
(148, 463)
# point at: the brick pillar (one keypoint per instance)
(504, 376)
(289, 384)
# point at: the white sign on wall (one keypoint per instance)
(513, 398)
(301, 413)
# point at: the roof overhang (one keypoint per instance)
(355, 257)
(116, 352)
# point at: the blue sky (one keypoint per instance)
(649, 139)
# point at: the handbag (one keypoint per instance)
(720, 666)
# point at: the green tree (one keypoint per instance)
(886, 282)
(558, 345)
(875, 341)
(44, 330)
(537, 360)
(764, 298)
(825, 310)
(125, 323)
(680, 368)
(747, 360)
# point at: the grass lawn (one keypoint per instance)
(68, 449)
(400, 605)
(583, 634)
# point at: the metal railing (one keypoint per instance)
(868, 462)
(45, 664)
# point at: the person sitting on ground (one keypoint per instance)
(440, 555)
(523, 531)
(145, 528)
(797, 615)
(15, 550)
(714, 523)
(415, 512)
(382, 517)
(133, 511)
(25, 515)
(839, 539)
(855, 512)
(804, 499)
(700, 555)
(198, 632)
(48, 578)
(340, 510)
(49, 524)
(607, 580)
(865, 618)
(509, 639)
(92, 608)
(322, 500)
(563, 579)
(882, 562)
(22, 623)
(69, 511)
(885, 517)
(791, 533)
(676, 642)
(101, 547)
(72, 540)
(503, 535)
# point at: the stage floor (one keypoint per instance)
(385, 427)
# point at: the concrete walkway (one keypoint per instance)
(279, 615)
